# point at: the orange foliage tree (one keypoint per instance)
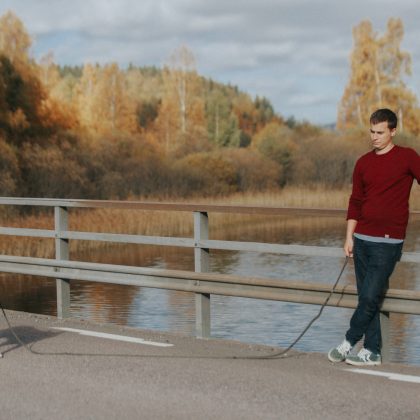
(378, 66)
(29, 111)
(103, 103)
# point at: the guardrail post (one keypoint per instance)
(62, 253)
(202, 264)
(385, 351)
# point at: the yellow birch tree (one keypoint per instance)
(377, 70)
(182, 118)
(14, 40)
(104, 105)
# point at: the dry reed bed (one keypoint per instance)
(164, 223)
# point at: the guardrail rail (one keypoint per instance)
(200, 282)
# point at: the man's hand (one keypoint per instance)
(348, 247)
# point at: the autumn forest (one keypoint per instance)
(100, 131)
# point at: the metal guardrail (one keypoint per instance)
(200, 282)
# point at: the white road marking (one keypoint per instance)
(389, 375)
(115, 337)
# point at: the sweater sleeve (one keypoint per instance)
(357, 195)
(414, 164)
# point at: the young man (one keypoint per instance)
(376, 224)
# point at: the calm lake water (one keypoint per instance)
(246, 320)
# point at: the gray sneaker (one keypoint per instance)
(339, 353)
(364, 358)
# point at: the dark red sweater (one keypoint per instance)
(381, 189)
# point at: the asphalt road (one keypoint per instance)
(101, 377)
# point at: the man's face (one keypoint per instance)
(381, 136)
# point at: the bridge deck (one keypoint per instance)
(169, 376)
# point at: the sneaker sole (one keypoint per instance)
(331, 359)
(370, 363)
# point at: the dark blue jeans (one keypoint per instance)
(374, 263)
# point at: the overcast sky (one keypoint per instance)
(294, 52)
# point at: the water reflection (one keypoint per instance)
(24, 293)
(248, 320)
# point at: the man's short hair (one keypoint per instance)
(382, 115)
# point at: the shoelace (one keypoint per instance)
(364, 354)
(343, 348)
